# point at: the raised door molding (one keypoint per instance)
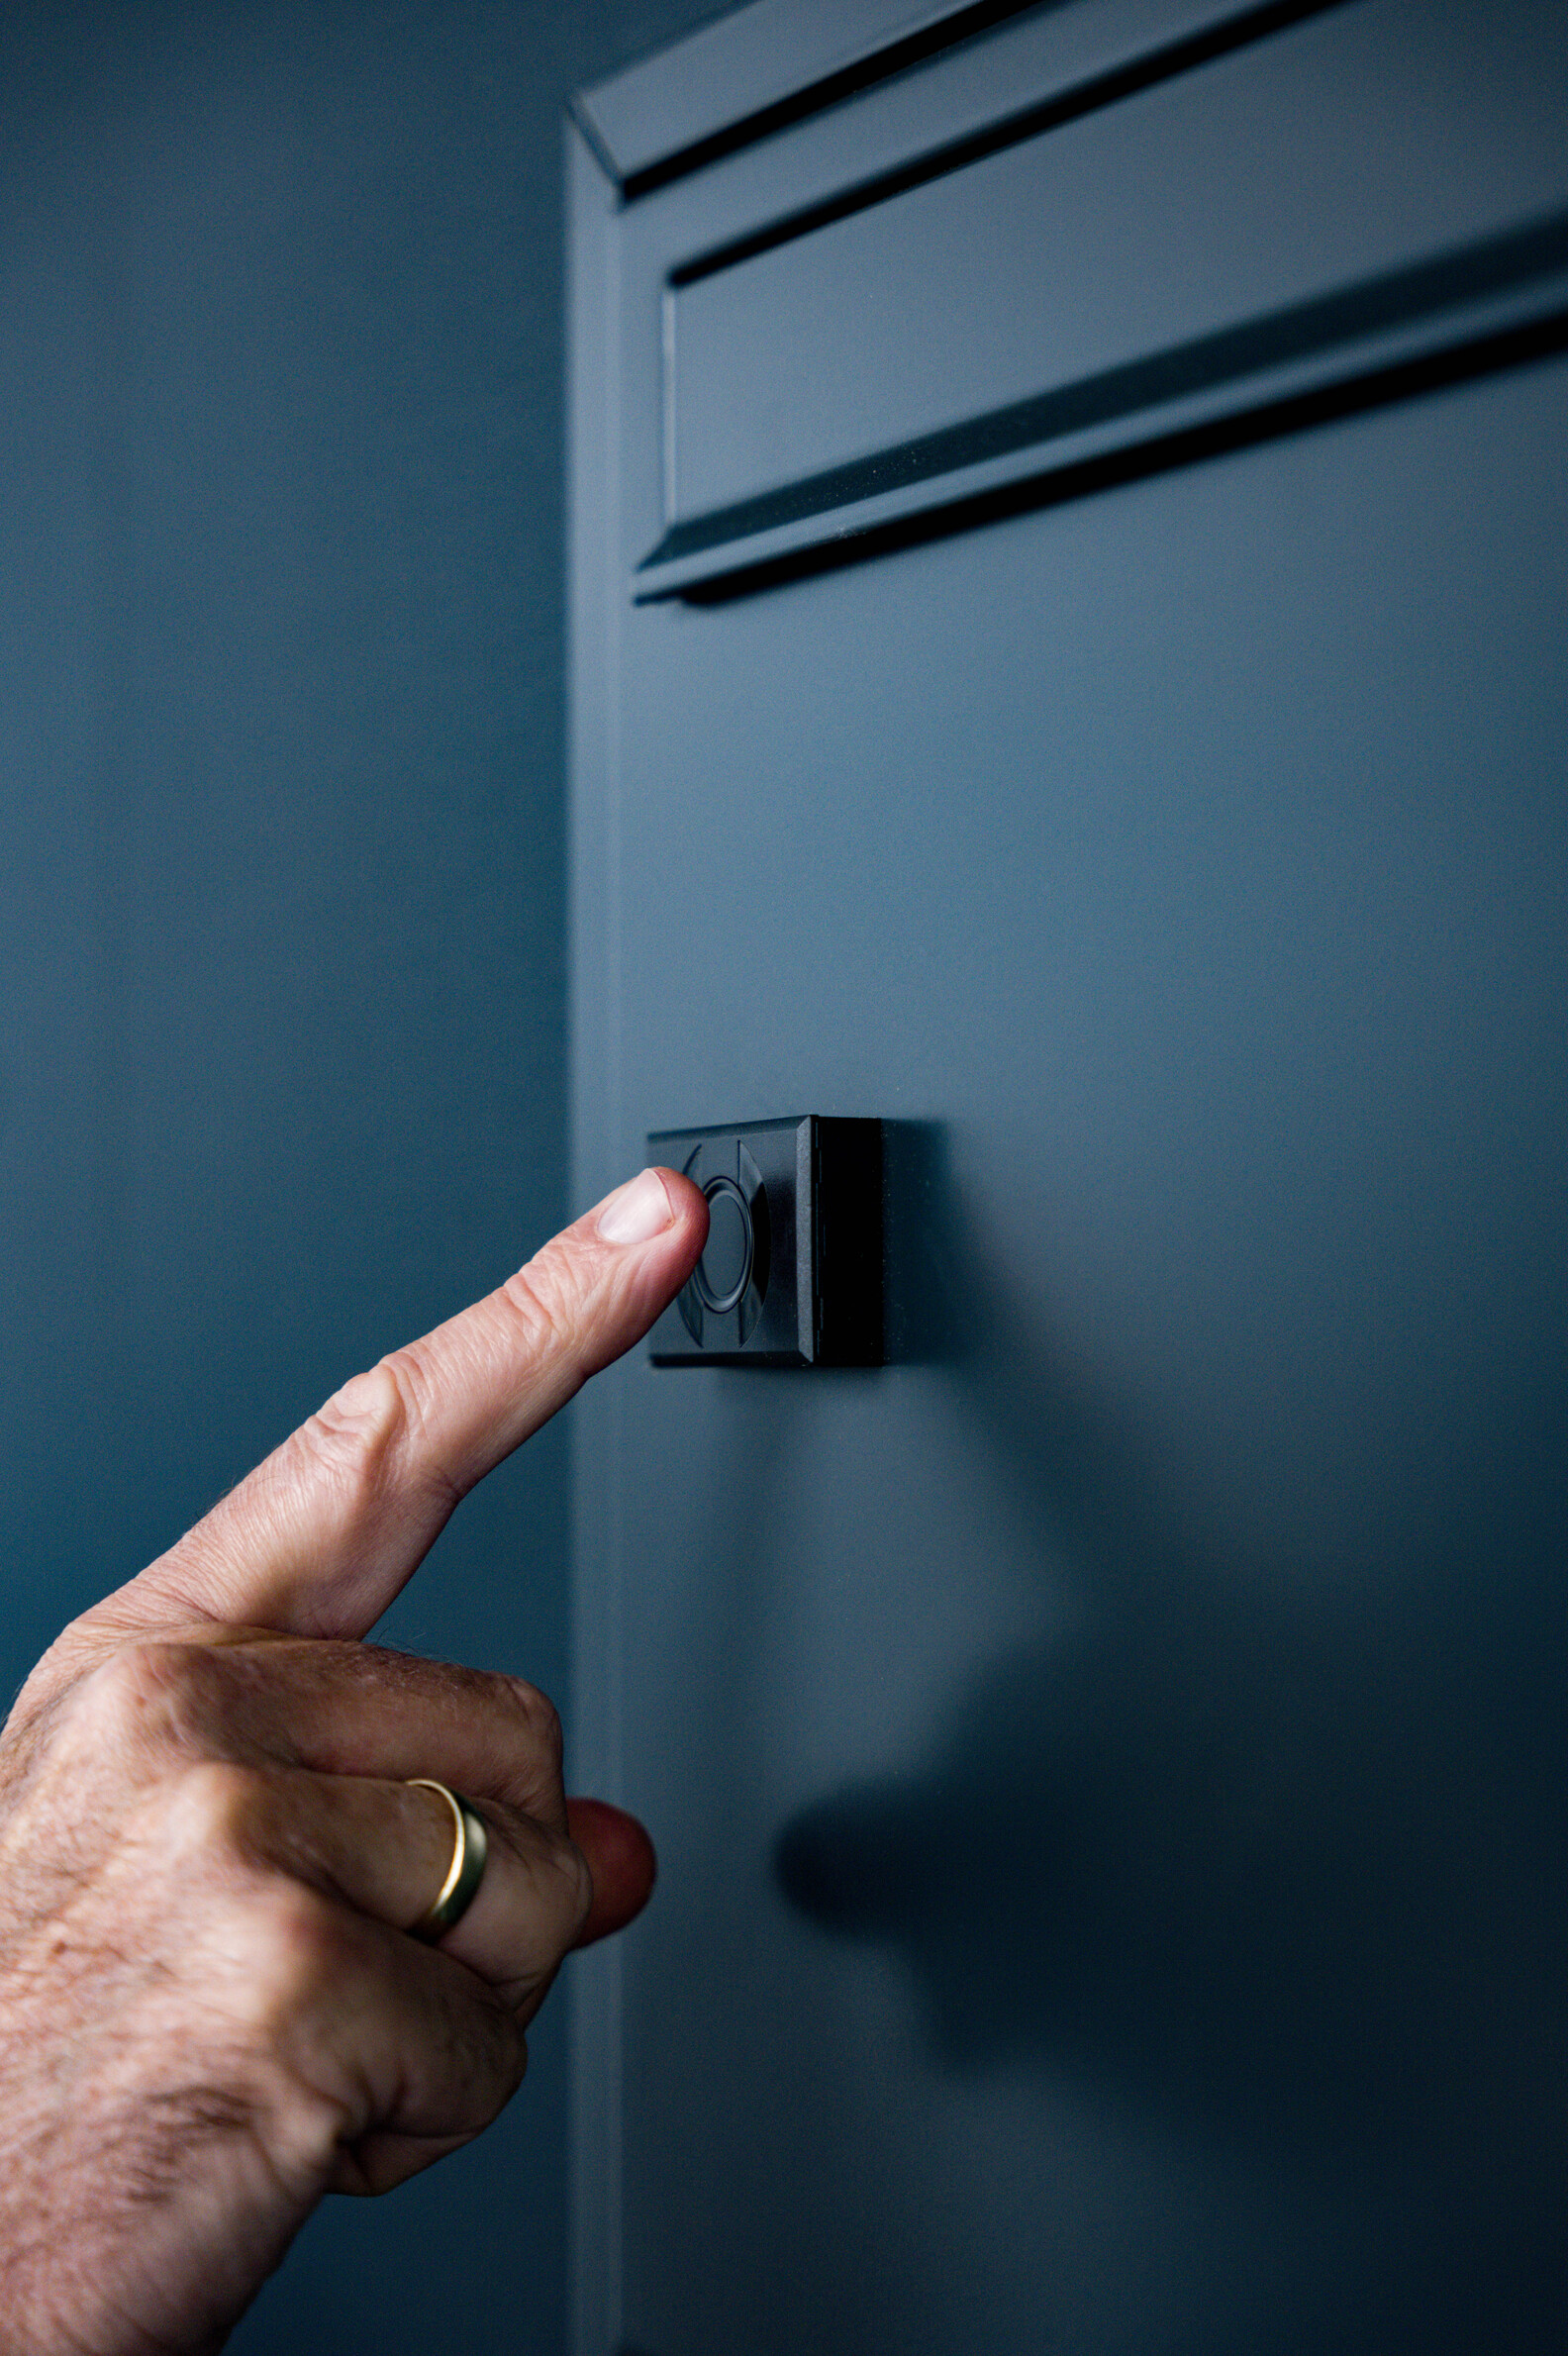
(753, 73)
(1162, 240)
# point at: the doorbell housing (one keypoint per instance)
(791, 1274)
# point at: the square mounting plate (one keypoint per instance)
(791, 1274)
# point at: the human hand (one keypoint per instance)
(210, 2009)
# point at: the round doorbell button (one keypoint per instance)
(725, 1270)
(791, 1272)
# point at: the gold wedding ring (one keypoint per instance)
(464, 1874)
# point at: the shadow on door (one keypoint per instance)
(1289, 1872)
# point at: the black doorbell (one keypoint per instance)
(791, 1274)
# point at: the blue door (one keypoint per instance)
(1071, 559)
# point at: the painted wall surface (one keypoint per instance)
(1108, 1762)
(281, 965)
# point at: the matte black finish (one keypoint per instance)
(792, 1274)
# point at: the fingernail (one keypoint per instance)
(635, 1210)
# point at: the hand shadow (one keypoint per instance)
(1290, 1871)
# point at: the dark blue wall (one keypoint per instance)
(281, 898)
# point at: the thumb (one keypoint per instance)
(620, 1860)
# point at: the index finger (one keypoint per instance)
(320, 1537)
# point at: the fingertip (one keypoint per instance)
(690, 1223)
(622, 1860)
(655, 1226)
(654, 1202)
(686, 1200)
(636, 1212)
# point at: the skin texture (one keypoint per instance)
(211, 2013)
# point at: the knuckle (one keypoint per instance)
(293, 1958)
(290, 1959)
(147, 1695)
(354, 1437)
(539, 1299)
(368, 1433)
(540, 1719)
(218, 1812)
(228, 2101)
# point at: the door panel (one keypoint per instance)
(1107, 1764)
(1207, 205)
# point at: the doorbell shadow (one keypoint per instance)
(1281, 1864)
(921, 1308)
(831, 1247)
